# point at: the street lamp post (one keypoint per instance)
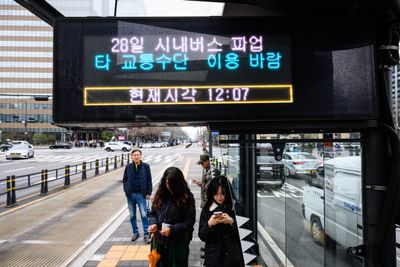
(25, 122)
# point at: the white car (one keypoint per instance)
(17, 142)
(157, 145)
(129, 143)
(113, 146)
(300, 163)
(146, 145)
(20, 151)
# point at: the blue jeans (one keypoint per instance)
(133, 199)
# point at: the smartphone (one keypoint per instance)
(217, 213)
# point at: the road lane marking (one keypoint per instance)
(14, 170)
(259, 195)
(293, 187)
(278, 252)
(9, 163)
(186, 168)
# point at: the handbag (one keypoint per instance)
(153, 256)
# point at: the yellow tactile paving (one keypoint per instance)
(114, 254)
(128, 256)
(118, 248)
(108, 263)
(140, 256)
(133, 248)
(144, 248)
(124, 253)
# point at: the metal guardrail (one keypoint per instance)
(16, 183)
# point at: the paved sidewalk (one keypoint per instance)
(118, 250)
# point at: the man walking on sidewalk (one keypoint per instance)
(138, 186)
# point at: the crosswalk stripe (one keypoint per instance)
(80, 159)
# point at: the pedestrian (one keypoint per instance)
(138, 187)
(172, 217)
(218, 227)
(203, 183)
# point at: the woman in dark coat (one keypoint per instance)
(171, 218)
(218, 228)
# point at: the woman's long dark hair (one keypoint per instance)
(178, 190)
(226, 191)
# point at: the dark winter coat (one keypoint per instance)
(181, 222)
(146, 183)
(222, 246)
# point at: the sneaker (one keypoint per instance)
(146, 240)
(135, 237)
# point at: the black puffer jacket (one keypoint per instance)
(222, 241)
(180, 219)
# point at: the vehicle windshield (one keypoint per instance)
(303, 156)
(19, 146)
(266, 159)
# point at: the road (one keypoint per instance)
(52, 159)
(57, 159)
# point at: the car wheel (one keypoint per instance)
(108, 149)
(124, 149)
(317, 232)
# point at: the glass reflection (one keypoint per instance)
(308, 205)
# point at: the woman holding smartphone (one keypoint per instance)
(172, 218)
(217, 227)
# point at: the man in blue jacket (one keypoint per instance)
(138, 187)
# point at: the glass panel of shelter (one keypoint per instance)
(308, 205)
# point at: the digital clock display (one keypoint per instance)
(191, 71)
(187, 95)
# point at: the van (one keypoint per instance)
(332, 202)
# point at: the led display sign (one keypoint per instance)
(116, 67)
(197, 70)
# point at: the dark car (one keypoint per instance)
(5, 146)
(316, 179)
(269, 172)
(331, 152)
(60, 145)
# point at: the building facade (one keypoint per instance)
(26, 72)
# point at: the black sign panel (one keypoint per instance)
(196, 70)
